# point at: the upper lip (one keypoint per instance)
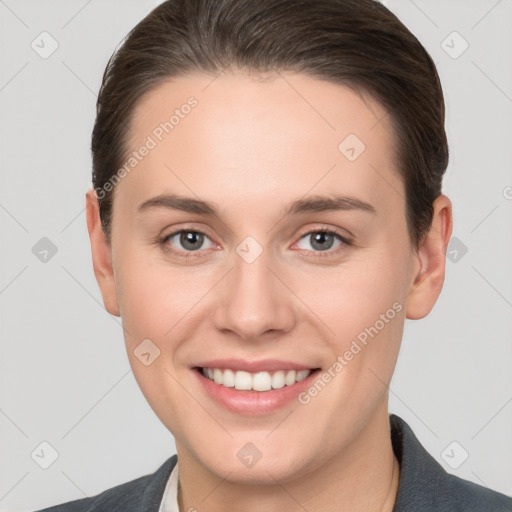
(263, 365)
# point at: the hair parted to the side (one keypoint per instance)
(358, 43)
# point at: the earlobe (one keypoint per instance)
(101, 254)
(431, 257)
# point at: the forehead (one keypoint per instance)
(259, 137)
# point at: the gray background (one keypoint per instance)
(64, 374)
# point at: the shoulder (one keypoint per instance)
(143, 493)
(425, 486)
(464, 496)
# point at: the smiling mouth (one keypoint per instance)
(258, 381)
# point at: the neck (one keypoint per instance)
(363, 477)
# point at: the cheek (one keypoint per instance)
(361, 311)
(162, 306)
(350, 298)
(154, 302)
(153, 297)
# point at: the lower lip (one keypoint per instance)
(254, 403)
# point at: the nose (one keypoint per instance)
(253, 301)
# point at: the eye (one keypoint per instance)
(187, 240)
(322, 240)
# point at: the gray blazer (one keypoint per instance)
(424, 486)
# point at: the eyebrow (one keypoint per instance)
(311, 204)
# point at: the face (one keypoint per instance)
(262, 237)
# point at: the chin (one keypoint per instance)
(248, 465)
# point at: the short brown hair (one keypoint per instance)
(358, 43)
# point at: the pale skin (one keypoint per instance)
(251, 147)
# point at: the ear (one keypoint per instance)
(101, 254)
(431, 261)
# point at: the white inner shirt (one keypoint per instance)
(169, 501)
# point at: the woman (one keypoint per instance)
(266, 213)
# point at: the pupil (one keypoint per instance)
(321, 238)
(189, 240)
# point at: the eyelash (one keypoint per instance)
(191, 254)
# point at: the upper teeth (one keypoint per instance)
(260, 381)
